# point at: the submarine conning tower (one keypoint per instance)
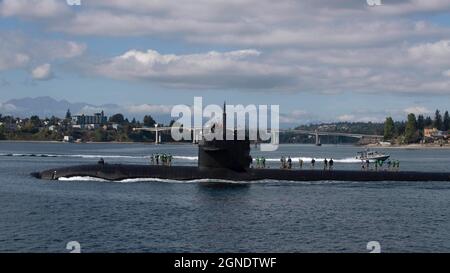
(226, 153)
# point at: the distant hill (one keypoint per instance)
(368, 128)
(47, 106)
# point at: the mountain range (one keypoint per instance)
(48, 106)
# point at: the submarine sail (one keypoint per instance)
(231, 154)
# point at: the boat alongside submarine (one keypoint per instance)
(229, 160)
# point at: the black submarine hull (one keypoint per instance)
(117, 172)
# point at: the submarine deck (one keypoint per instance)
(117, 172)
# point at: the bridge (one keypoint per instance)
(318, 133)
(197, 131)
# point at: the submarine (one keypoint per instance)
(229, 160)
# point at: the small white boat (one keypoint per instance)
(371, 156)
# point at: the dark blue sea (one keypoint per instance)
(216, 216)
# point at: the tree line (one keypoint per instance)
(54, 129)
(412, 131)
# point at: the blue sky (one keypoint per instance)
(319, 60)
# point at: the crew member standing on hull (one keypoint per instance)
(283, 162)
(313, 162)
(331, 164)
(101, 161)
(397, 165)
(325, 164)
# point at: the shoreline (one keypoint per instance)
(90, 142)
(408, 146)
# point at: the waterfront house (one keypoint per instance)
(430, 132)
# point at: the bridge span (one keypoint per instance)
(317, 133)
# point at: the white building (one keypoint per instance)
(68, 139)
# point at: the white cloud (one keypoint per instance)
(7, 107)
(233, 69)
(346, 117)
(42, 72)
(90, 110)
(359, 118)
(18, 51)
(413, 6)
(323, 46)
(432, 53)
(417, 110)
(148, 109)
(23, 48)
(15, 60)
(247, 23)
(410, 69)
(59, 49)
(33, 9)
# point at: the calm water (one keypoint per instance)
(198, 216)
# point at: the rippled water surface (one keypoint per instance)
(205, 216)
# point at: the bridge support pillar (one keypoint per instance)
(157, 138)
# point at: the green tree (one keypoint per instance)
(437, 120)
(117, 118)
(388, 128)
(149, 121)
(446, 122)
(31, 125)
(68, 114)
(420, 122)
(100, 135)
(411, 134)
(35, 121)
(53, 120)
(428, 122)
(2, 132)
